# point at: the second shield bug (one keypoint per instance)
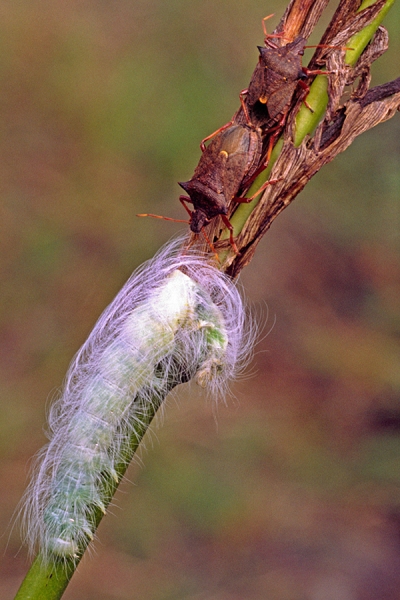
(280, 72)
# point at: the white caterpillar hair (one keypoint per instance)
(176, 318)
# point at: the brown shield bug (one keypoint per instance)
(226, 166)
(279, 74)
(274, 82)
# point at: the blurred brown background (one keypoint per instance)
(292, 491)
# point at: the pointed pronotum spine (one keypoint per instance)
(177, 318)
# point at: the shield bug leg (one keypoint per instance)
(305, 87)
(231, 122)
(242, 94)
(183, 200)
(309, 72)
(216, 132)
(247, 200)
(269, 36)
(210, 244)
(272, 141)
(229, 227)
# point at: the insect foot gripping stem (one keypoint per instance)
(176, 318)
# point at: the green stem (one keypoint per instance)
(306, 121)
(360, 40)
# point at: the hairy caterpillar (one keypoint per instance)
(176, 318)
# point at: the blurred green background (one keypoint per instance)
(292, 490)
